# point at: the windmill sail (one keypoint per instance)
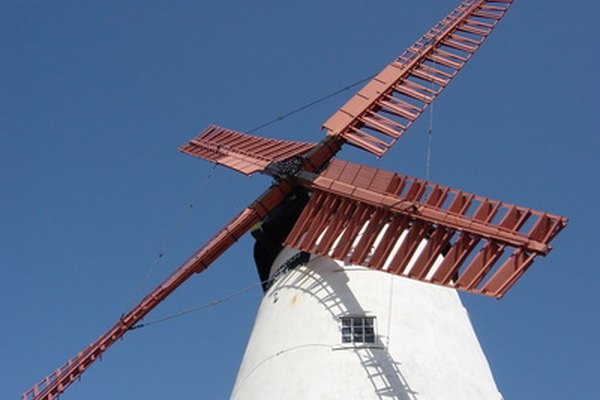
(240, 151)
(389, 104)
(407, 226)
(57, 382)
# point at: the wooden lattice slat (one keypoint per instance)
(406, 226)
(240, 151)
(389, 104)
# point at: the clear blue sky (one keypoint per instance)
(95, 97)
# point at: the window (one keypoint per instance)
(358, 330)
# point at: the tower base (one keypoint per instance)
(326, 330)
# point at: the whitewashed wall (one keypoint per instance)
(426, 348)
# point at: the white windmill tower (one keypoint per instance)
(361, 266)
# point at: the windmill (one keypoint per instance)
(367, 219)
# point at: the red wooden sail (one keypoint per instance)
(57, 381)
(387, 106)
(240, 151)
(407, 226)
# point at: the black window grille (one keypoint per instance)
(358, 330)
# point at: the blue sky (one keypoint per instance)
(96, 98)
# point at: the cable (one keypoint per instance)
(188, 211)
(211, 303)
(218, 301)
(183, 218)
(429, 142)
(312, 103)
(390, 308)
(430, 134)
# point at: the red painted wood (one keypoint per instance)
(360, 216)
(240, 151)
(398, 89)
(347, 197)
(59, 380)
